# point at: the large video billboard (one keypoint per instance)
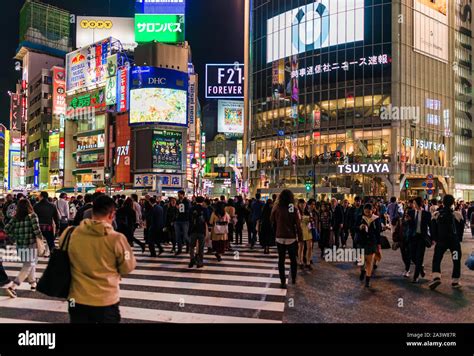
(167, 149)
(230, 117)
(321, 24)
(158, 96)
(431, 31)
(90, 29)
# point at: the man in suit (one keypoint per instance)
(419, 222)
(337, 222)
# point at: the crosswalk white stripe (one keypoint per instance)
(157, 273)
(196, 300)
(133, 313)
(208, 259)
(18, 321)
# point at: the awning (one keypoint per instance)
(76, 190)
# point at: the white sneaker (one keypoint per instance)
(406, 274)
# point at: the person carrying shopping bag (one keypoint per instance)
(24, 228)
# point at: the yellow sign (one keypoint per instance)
(99, 24)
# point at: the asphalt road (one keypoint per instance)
(332, 293)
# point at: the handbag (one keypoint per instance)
(428, 241)
(384, 243)
(56, 279)
(41, 246)
(221, 228)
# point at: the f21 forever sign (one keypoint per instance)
(225, 81)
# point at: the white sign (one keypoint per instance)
(322, 24)
(230, 116)
(429, 145)
(364, 168)
(431, 31)
(90, 29)
(192, 108)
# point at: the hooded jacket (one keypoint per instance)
(99, 257)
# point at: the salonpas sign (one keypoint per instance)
(364, 168)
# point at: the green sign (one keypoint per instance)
(96, 100)
(111, 83)
(160, 28)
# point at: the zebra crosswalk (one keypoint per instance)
(243, 288)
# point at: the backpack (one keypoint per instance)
(444, 227)
(198, 221)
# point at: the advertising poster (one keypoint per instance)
(160, 28)
(192, 108)
(111, 85)
(225, 81)
(90, 29)
(90, 142)
(54, 152)
(321, 24)
(230, 117)
(123, 90)
(59, 91)
(123, 150)
(431, 29)
(87, 66)
(167, 149)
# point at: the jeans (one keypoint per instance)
(85, 314)
(344, 236)
(239, 232)
(50, 238)
(405, 252)
(417, 253)
(292, 252)
(337, 235)
(181, 229)
(3, 275)
(456, 253)
(199, 257)
(252, 233)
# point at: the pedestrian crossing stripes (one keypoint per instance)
(243, 288)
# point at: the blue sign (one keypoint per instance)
(36, 173)
(162, 7)
(153, 77)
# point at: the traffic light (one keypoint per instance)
(407, 184)
(308, 187)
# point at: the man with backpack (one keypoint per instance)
(443, 232)
(197, 233)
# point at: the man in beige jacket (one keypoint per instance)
(99, 258)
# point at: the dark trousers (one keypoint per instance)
(231, 233)
(417, 253)
(199, 256)
(344, 236)
(337, 235)
(324, 238)
(50, 238)
(292, 252)
(456, 253)
(3, 275)
(252, 233)
(85, 314)
(406, 257)
(154, 238)
(239, 233)
(62, 226)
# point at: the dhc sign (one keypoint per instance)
(321, 24)
(365, 168)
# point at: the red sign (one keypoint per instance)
(61, 143)
(122, 155)
(59, 91)
(123, 90)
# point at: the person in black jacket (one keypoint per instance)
(80, 212)
(171, 214)
(369, 229)
(337, 221)
(419, 223)
(446, 238)
(126, 219)
(155, 233)
(346, 210)
(47, 215)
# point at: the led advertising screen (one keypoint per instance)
(158, 96)
(160, 28)
(167, 149)
(158, 106)
(171, 7)
(321, 24)
(90, 29)
(431, 29)
(230, 117)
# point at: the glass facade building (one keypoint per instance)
(345, 100)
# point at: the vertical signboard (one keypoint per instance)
(111, 83)
(122, 151)
(123, 91)
(59, 91)
(16, 112)
(192, 107)
(36, 173)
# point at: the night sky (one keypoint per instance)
(214, 29)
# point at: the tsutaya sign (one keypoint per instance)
(374, 168)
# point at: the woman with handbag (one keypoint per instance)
(287, 225)
(305, 243)
(369, 228)
(24, 228)
(219, 228)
